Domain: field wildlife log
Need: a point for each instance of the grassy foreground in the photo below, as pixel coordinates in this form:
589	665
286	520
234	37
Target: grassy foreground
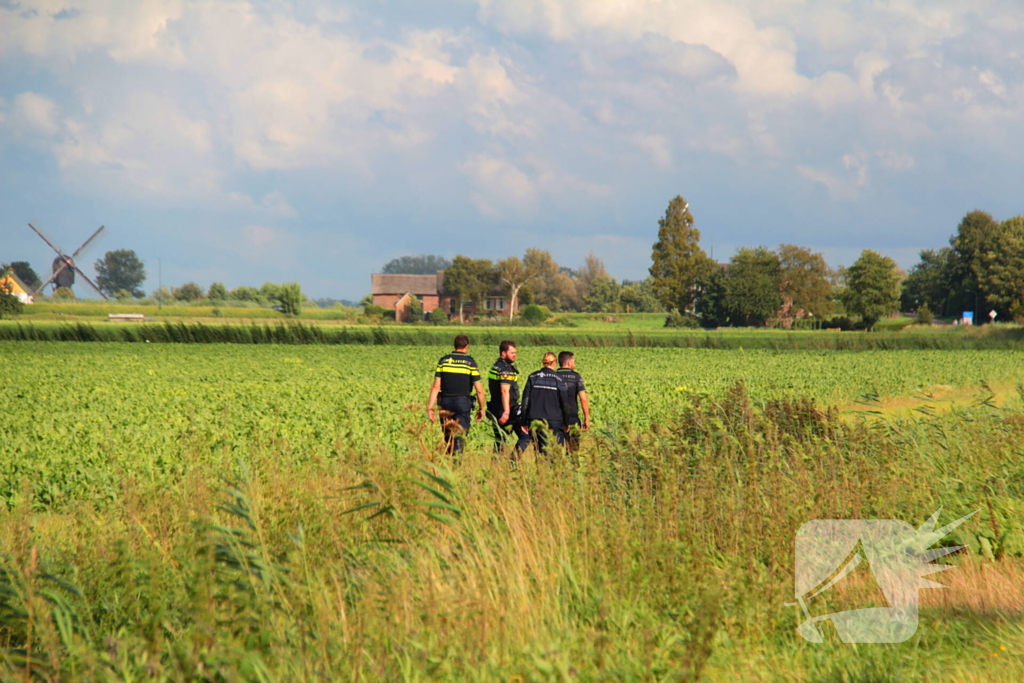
659	556
204	513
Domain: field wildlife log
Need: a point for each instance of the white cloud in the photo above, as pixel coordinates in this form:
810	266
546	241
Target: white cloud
993	83
506	190
896	161
502	188
35	114
659	147
143	144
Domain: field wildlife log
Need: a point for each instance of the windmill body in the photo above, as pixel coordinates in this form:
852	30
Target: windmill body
64	271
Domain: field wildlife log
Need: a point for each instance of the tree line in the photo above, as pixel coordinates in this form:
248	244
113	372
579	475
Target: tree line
981	270
757	287
536	278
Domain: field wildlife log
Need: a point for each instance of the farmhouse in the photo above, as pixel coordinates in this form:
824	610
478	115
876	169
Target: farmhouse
15	286
396	292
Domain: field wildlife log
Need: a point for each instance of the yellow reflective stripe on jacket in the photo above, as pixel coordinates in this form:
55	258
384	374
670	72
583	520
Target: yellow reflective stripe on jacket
457	369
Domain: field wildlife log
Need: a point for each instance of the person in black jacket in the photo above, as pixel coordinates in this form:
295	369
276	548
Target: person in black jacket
456	378
545	399
577	390
503	382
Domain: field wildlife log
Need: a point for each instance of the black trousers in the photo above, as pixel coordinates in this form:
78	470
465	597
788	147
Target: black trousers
503	434
572	437
455	421
543	435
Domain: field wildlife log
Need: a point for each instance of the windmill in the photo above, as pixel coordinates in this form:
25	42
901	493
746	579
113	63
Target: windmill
64	267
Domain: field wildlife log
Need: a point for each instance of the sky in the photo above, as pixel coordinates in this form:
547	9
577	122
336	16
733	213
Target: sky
313	141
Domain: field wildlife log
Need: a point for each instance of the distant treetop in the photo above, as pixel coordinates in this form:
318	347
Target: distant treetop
420	264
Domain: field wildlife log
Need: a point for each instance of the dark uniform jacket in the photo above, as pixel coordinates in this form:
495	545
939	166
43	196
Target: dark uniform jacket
458	373
574	382
546	397
502	372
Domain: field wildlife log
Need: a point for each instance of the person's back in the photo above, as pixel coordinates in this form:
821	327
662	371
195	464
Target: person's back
547	396
545	399
577	398
455	380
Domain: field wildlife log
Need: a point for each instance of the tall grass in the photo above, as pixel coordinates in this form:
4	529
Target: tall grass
294	332
662	555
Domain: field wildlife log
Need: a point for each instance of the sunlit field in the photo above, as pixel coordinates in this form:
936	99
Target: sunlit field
228	512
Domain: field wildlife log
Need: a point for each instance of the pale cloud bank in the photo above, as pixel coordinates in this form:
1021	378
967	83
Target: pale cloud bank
543	115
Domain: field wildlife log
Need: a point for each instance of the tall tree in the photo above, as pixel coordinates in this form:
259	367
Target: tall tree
120	269
470	280
419	264
678	261
977	234
290	296
217	292
1001	270
752	286
932	281
24	272
804	281
872	287
190	291
602	295
550	286
270	292
245	293
638	297
592	270
513	274
710	307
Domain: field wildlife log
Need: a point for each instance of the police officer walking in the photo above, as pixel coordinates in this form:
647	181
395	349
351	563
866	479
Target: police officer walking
573	380
455	379
545	398
503	384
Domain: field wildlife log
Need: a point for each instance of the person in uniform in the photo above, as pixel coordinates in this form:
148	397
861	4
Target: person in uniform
503	384
545	399
456	378
577	390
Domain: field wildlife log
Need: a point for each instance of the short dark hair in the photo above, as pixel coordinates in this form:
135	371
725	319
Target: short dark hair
461	341
564	357
504	345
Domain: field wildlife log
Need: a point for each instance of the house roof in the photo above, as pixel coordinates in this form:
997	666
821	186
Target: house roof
17	286
382	283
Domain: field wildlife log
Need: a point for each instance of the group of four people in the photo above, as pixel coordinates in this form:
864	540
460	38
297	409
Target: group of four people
548	404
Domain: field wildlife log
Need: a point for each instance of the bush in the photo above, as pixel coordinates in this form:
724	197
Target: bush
924	315
373	309
415	310
10	304
438	317
290	296
189	291
535	315
677	319
64	293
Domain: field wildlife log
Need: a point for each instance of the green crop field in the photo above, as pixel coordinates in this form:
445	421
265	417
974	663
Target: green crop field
268	512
